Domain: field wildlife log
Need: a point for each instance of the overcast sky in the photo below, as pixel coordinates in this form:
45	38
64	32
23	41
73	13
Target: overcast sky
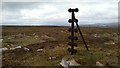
56	12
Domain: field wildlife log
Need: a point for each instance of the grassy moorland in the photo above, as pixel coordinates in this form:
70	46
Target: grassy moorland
52	42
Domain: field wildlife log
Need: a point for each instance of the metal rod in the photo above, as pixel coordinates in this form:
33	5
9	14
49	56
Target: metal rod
82	36
72	34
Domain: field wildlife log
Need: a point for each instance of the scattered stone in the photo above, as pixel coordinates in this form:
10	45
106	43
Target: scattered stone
36	36
3	49
72	62
52	57
42	41
39	50
10	38
18	47
107	43
15	48
96	35
66	62
62	31
108	54
45	36
81	58
34	33
8	45
11	45
19	34
12	48
26	49
99	64
1	39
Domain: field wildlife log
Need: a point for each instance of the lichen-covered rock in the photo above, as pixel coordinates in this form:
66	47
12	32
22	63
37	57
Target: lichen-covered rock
66	62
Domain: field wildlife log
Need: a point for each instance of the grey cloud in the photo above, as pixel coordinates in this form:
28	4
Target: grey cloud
60	1
104	11
13	6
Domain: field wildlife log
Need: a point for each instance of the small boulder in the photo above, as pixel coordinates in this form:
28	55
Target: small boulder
12	48
26	49
99	64
39	50
52	57
1	39
72	62
18	47
66	62
3	49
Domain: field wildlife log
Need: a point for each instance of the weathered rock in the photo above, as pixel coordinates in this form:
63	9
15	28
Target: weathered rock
39	50
1	39
36	36
18	47
72	62
15	48
62	31
66	62
52	57
9	38
3	49
45	36
12	48
11	45
26	49
99	64
96	35
110	42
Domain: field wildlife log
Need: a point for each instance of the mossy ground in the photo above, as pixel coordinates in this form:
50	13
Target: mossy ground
98	50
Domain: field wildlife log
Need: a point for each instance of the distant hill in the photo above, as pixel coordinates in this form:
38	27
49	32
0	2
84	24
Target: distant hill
104	25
